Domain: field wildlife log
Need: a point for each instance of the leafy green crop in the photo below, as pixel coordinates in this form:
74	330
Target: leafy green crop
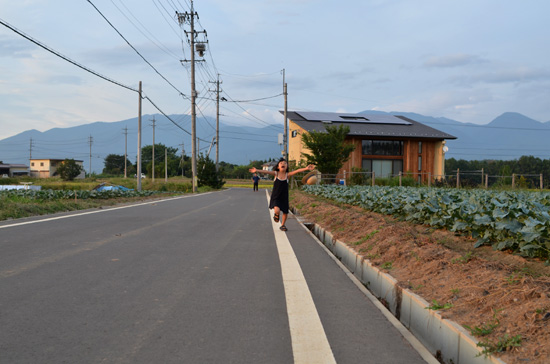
45	195
507	220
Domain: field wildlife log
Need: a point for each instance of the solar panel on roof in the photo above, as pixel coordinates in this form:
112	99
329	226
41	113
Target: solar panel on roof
352	118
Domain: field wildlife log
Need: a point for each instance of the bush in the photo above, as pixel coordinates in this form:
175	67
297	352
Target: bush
68	169
207	174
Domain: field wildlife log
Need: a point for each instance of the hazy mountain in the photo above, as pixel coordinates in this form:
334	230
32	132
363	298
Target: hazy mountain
238	145
509	136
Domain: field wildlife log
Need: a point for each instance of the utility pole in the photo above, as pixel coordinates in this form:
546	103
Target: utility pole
153	149
30	158
90	140
217	122
285	138
30	153
139	142
182	159
125	151
201	47
165	164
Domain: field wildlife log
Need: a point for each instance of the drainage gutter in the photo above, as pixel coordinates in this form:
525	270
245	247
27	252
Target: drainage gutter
446	340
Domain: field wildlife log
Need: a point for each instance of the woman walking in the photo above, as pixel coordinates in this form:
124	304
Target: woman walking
279	195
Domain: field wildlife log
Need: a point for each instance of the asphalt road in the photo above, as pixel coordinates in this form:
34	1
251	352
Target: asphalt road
194	279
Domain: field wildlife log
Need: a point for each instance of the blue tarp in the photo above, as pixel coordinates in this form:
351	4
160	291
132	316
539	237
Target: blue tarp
112	188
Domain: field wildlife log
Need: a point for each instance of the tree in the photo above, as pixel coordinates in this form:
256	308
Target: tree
147	159
206	173
69	170
329	151
114	164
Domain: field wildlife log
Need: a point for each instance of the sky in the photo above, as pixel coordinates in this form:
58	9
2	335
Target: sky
466	60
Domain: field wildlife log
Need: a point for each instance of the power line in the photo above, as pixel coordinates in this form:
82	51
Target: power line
263	98
169	118
41	45
131	46
86	69
158	43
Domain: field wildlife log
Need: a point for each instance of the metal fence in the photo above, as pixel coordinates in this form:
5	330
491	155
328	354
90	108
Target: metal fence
459	179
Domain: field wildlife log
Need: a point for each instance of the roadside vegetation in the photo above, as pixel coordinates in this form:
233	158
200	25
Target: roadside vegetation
57	195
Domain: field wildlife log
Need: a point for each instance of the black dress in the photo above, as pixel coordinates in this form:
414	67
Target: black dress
279	196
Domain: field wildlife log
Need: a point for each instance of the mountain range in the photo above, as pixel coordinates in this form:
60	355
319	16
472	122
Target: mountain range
509	136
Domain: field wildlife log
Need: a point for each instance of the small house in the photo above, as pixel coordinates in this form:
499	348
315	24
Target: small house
13	170
46	168
384	144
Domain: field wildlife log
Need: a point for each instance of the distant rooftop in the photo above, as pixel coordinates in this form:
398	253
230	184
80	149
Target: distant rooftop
372	125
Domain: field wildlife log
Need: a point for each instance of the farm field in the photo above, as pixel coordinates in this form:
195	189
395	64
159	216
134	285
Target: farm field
60	196
503	298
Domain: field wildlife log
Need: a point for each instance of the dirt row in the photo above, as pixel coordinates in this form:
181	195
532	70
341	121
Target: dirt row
503	298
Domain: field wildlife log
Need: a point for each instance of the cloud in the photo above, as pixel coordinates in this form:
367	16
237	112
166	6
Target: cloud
450	61
15	48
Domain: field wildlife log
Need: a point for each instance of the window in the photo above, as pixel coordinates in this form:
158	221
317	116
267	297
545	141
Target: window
419	147
41	164
382	147
32	164
383	167
419	163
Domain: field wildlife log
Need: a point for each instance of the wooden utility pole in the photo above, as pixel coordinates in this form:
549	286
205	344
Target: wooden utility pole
139	142
125	152
182	159
200	49
90	140
217	122
182	18
153	160
30	153
285	139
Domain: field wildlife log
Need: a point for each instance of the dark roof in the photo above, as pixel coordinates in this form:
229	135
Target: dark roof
13	166
55	159
371	125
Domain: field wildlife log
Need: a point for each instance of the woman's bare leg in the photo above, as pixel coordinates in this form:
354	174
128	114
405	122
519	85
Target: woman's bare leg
277	211
283	220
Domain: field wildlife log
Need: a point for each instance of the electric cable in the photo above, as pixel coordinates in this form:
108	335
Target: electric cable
158	43
41	45
131	46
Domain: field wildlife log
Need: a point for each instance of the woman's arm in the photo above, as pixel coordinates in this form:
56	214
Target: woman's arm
254	170
311	167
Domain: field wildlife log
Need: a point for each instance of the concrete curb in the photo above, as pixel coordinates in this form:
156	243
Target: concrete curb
446	340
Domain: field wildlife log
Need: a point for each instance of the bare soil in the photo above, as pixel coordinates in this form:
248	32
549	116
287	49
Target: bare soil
497	292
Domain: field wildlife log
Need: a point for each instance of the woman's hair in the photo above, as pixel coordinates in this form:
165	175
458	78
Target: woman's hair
277	166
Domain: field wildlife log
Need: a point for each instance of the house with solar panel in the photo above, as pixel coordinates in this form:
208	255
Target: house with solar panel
385	144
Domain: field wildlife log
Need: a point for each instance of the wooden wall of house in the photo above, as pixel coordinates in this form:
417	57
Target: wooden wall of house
410	157
431	153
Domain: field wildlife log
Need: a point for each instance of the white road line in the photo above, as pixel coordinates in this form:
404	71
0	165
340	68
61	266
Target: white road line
97	211
415	343
309	341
